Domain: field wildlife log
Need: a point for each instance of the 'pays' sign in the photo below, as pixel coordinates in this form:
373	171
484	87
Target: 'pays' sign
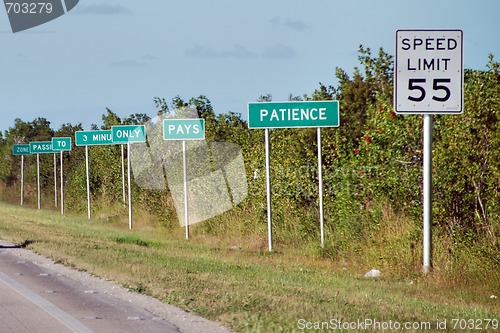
183	129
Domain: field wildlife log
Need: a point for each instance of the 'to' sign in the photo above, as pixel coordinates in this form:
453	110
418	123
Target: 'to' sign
61	144
429	72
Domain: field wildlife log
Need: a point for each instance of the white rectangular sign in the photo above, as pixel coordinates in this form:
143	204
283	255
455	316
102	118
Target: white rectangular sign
429	72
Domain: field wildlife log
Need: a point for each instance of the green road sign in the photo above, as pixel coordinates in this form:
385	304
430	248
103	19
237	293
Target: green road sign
42	147
61	144
293	114
128	133
184	129
21	149
93	138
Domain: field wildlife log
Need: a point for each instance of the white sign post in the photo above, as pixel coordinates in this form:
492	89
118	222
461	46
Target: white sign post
91	138
40	147
293	114
89	210
117	135
429	80
123	175
127	134
38	181
55	180
320	190
22	180
182	130
62	182
21	149
61	145
268	191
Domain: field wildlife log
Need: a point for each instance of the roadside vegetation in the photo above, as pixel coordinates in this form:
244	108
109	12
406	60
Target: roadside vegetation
373	213
236	282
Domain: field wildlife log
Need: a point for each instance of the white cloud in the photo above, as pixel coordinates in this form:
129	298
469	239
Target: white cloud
289	23
237	52
279	51
102	9
128	63
149	57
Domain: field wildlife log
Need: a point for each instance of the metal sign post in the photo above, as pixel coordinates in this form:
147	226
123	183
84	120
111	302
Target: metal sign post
127	134
61	144
182	130
21	149
38	180
427	192
129	157
123	175
40	147
88	181
293	114
320	191
91	138
268	191
62	184
55	180
186	197
22	180
429	80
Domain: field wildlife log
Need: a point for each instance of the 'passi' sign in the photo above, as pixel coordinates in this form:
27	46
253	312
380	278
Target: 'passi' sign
41	147
429	71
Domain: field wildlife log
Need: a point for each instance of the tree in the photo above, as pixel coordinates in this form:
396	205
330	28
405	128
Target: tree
204	107
75	157
162	106
110	119
137	119
467	159
265	98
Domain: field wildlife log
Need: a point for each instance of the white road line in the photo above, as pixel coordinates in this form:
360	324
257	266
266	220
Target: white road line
59	314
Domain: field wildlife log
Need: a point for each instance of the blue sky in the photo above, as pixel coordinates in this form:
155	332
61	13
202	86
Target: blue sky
120	54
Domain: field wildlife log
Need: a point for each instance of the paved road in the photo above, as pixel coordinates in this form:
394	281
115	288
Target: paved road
39	296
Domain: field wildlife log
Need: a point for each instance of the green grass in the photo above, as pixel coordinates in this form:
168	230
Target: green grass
250	290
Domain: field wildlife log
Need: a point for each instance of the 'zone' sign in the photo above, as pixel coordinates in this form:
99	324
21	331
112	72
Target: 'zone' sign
428	72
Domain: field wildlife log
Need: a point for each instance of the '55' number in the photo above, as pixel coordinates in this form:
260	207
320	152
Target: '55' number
437	84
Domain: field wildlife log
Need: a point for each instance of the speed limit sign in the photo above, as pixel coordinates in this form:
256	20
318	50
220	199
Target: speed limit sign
429	72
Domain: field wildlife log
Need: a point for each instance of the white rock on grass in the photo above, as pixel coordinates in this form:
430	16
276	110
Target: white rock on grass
374	273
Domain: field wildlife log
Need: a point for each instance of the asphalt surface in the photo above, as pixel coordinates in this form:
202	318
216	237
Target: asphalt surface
37	295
